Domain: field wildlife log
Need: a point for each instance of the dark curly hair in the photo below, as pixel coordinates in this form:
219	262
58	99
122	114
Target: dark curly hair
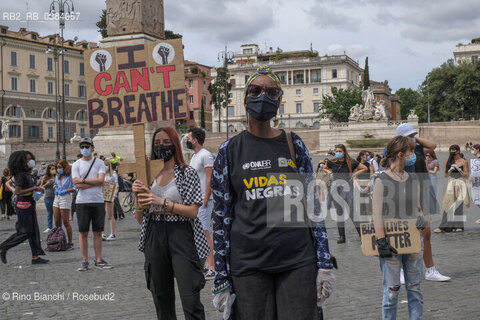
17	162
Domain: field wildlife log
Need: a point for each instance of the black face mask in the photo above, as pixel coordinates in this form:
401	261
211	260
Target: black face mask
262	108
164	152
189	145
453	154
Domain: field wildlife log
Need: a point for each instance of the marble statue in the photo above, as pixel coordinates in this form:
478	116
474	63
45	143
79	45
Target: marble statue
356	113
5	129
380	113
76	138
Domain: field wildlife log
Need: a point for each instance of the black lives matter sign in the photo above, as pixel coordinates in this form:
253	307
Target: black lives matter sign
135	84
402	234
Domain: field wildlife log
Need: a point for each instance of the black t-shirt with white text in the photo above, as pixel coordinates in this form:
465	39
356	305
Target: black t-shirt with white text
259	168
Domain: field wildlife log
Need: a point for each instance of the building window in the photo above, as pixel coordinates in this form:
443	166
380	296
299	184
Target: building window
334	73
474	59
33	85
82	115
299	107
205	84
14	111
191	116
281	110
298	78
298	92
14	131
32	61
316	75
67	133
231	111
4	30
230	95
49	64
190	99
246	78
190	84
82	132
248	51
67	90
66	66
299	124
49	87
81	91
51	114
14	83
315	90
82	68
13	59
33	131
316	107
50	132
283	78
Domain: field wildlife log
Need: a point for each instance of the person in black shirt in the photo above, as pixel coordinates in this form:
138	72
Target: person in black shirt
20	165
269	272
344	170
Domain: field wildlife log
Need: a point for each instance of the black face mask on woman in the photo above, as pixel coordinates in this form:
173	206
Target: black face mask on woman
164	152
261	108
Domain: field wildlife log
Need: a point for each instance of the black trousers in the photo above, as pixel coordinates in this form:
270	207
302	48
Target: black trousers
27	229
170	253
344	213
283	296
6	203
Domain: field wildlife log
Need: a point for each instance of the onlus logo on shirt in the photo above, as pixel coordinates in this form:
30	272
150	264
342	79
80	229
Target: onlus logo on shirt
257	165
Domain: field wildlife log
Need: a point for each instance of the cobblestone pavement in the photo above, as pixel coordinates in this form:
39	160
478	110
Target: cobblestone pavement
358	294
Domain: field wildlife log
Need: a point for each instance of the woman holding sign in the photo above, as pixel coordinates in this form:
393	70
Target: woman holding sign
172	239
396	196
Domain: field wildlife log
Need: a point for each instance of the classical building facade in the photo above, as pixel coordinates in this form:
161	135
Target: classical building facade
467	52
306	77
30	83
197	80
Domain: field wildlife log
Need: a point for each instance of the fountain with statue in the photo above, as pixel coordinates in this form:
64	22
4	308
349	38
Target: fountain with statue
368	125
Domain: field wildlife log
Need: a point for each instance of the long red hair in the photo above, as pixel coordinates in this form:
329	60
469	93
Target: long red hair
172	134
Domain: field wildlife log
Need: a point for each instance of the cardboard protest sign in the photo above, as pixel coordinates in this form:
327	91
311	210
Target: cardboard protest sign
135	84
475	174
402	234
109	189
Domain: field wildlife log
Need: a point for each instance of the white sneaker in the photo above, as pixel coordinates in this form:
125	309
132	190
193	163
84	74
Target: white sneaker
434	275
104	237
47	230
111	237
402	277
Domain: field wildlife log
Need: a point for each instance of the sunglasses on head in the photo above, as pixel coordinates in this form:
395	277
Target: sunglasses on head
273	93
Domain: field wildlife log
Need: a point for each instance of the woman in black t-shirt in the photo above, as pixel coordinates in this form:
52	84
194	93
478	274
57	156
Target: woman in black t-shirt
344	170
20	165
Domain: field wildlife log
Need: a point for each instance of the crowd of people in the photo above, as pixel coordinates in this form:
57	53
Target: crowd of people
223	217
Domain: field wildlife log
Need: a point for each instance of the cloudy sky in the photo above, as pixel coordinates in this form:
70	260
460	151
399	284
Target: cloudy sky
404	39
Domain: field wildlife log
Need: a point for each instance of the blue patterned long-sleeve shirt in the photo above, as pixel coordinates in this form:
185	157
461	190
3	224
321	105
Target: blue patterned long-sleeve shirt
222	189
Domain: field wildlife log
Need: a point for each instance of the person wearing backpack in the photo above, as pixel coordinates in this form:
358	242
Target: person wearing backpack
20	164
63	199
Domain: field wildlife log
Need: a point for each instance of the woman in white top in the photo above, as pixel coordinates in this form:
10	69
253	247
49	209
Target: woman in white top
110	176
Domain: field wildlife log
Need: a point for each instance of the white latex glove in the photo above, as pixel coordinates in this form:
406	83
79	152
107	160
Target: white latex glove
325	284
223	302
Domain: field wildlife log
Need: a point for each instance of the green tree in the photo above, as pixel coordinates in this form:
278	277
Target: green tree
339	103
366	75
172	35
102	24
410	99
202	114
219	91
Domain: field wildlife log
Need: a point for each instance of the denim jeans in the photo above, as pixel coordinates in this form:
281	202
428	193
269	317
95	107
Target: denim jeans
49	205
412	268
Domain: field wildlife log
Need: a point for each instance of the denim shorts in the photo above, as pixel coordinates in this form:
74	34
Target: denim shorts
205	215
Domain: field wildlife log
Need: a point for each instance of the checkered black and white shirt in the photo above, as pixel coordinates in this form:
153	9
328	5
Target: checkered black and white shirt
188	184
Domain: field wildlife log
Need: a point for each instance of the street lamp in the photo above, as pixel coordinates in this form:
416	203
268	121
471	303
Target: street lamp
60	6
226	56
56	52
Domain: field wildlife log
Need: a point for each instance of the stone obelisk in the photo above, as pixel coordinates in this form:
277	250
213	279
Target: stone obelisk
130	22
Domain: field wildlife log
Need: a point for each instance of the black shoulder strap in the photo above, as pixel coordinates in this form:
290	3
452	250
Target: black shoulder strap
90	168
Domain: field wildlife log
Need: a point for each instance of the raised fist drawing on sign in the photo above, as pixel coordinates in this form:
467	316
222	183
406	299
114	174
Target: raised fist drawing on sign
164	52
101	59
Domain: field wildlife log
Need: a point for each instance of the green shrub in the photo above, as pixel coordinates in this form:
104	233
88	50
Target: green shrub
367	143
